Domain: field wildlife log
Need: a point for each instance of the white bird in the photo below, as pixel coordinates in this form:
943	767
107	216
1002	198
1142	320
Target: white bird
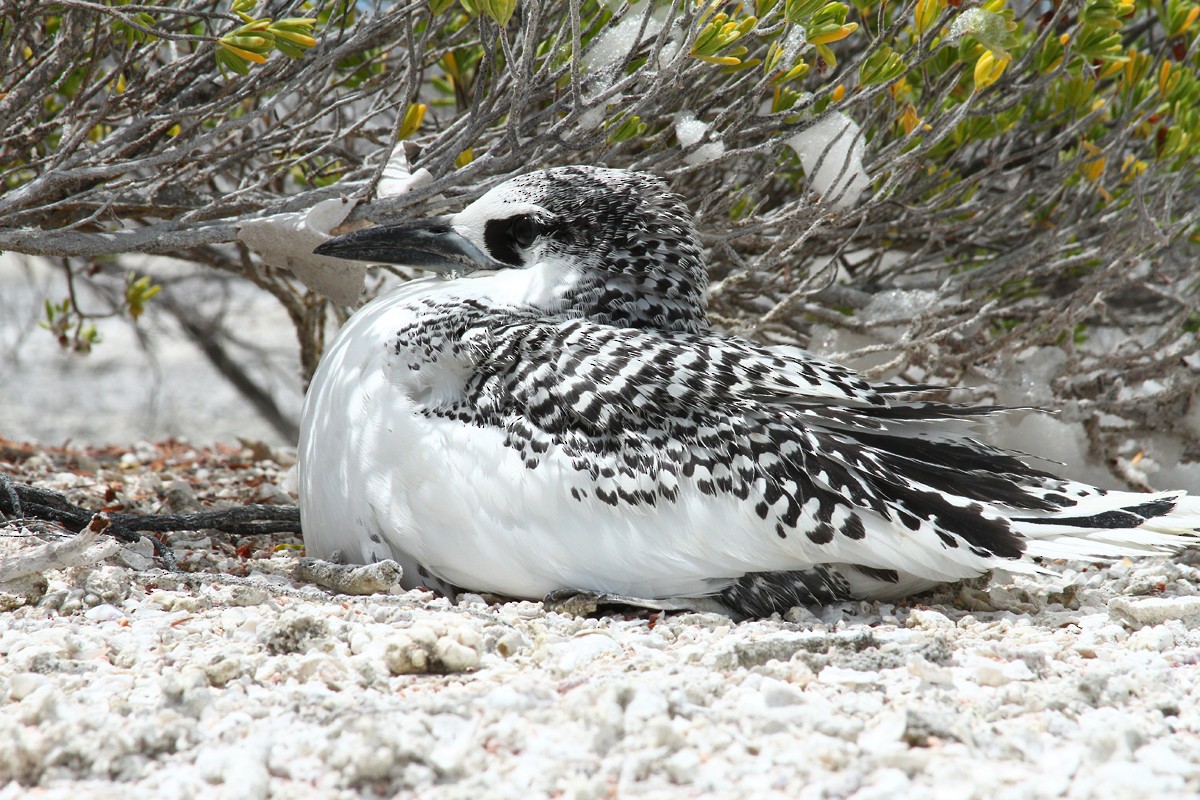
557	416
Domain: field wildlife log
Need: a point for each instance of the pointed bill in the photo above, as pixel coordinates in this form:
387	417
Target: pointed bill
430	244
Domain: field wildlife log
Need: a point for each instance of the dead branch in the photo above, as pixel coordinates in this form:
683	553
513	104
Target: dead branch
22	502
1033	227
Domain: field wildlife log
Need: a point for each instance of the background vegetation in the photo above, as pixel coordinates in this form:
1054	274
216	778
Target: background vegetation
1032	167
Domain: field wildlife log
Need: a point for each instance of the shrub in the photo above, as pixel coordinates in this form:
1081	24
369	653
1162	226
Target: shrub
1038	169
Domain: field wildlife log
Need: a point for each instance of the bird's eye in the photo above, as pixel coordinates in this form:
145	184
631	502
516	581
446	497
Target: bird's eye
506	238
523	230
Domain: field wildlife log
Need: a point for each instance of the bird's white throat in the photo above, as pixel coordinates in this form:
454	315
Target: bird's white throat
545	285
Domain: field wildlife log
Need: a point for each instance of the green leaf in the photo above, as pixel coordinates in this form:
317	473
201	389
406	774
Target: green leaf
884	65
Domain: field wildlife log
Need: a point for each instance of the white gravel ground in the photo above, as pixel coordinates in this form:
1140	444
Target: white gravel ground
236	681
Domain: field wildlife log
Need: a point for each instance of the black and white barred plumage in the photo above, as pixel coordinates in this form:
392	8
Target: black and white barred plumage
561	417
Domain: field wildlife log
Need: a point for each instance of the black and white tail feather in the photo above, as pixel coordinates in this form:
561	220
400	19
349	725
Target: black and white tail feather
561	417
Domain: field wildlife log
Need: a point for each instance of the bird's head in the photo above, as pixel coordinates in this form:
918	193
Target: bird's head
616	246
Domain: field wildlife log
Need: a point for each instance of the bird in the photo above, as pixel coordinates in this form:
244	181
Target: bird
551	414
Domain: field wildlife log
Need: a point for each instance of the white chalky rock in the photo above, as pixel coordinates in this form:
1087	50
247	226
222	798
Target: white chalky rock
929	672
1153	637
1154	610
110	584
424	649
105	612
990	672
579	651
927	619
777	694
356	579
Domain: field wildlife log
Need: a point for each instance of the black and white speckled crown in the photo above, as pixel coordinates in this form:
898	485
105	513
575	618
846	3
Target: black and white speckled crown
643	265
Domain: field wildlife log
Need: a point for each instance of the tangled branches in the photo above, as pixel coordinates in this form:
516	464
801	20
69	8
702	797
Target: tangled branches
1032	170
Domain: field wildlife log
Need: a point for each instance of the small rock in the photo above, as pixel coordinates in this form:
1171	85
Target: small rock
188	689
423	649
248	595
411	653
1119	778
886	732
271	494
510	643
240	770
322	667
350	579
923	728
1154	610
26	590
457	656
885	783
1152	637
998	598
645	705
109	584
777	694
1159	757
223	669
105	612
173	601
801	615
24	684
65	603
682	766
989	672
931	673
577	652
927	619
755	653
137	555
848	677
293	633
41	705
180	497
1067	597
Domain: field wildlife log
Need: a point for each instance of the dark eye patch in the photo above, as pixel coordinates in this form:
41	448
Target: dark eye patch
503	237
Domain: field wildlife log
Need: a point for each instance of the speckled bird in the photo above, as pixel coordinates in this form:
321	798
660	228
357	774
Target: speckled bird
554	414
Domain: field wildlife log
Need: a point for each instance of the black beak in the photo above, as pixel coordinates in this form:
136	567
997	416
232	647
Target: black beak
430	244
